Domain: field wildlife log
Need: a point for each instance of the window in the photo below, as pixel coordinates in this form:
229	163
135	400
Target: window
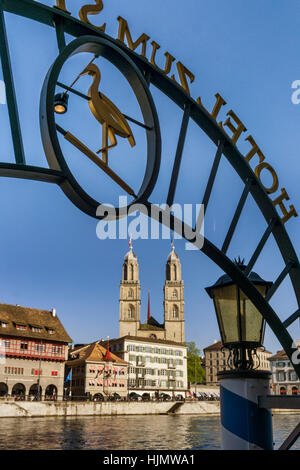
293	376
131	370
36	329
6	344
54	373
130	293
13	370
294	391
51	332
175	272
281	376
282	391
21	327
174	294
130	311
131	272
39	348
175	312
56	349
24	345
3	324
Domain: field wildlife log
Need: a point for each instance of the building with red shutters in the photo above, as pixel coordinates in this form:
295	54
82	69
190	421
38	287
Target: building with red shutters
97	373
33	351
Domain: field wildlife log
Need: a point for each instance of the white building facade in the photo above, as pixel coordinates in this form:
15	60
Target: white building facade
284	377
157	367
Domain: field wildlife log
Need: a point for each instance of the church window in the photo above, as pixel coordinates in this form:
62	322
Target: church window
175	272
175	312
131	272
174	294
130	293
130	311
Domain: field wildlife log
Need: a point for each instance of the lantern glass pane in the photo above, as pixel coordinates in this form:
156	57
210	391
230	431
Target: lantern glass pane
226	308
251	319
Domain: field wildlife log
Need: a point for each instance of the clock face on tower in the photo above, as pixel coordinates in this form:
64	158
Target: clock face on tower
99	125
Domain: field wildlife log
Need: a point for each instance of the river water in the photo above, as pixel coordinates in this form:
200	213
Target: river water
125	432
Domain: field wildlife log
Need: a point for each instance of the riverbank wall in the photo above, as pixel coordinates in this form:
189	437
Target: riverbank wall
38	409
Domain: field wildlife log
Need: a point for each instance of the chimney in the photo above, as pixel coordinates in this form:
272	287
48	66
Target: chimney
54	312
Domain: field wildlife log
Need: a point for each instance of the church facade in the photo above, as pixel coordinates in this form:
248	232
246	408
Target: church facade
172	329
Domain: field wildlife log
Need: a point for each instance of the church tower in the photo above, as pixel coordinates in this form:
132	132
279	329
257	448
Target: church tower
174	300
130	296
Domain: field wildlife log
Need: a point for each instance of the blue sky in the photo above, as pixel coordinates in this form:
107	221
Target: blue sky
248	52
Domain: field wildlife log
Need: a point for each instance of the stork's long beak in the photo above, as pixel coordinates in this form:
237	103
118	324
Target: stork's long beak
85	71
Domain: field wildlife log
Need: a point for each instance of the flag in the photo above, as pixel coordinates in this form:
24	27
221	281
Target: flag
69	376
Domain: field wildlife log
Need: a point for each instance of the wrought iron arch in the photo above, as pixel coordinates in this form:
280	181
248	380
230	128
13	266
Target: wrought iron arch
64	23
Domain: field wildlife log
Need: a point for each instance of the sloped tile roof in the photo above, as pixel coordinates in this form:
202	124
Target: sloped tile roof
279	355
14	315
93	352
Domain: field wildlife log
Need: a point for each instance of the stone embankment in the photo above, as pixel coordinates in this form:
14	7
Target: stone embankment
14	409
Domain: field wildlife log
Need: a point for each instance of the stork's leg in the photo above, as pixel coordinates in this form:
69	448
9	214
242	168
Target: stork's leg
107	133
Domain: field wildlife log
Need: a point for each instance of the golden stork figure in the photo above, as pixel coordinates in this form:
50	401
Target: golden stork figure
112	120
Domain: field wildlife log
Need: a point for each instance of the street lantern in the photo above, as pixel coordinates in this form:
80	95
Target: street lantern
61	103
242	326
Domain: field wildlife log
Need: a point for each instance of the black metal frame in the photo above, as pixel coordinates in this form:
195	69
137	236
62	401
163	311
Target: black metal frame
64	23
53	152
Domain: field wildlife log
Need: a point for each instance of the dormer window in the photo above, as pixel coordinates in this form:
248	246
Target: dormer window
36	329
51	332
21	327
3	324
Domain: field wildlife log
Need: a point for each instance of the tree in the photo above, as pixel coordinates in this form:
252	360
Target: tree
196	373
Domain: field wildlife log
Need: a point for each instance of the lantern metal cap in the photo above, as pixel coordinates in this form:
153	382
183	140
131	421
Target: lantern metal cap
226	280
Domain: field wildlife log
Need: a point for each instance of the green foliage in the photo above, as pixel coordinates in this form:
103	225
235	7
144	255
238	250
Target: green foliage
196	373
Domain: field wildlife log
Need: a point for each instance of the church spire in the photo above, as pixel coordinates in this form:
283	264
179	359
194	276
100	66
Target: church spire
148	315
130	295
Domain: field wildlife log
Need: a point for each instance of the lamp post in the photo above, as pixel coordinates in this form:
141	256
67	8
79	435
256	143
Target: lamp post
39	373
245	426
